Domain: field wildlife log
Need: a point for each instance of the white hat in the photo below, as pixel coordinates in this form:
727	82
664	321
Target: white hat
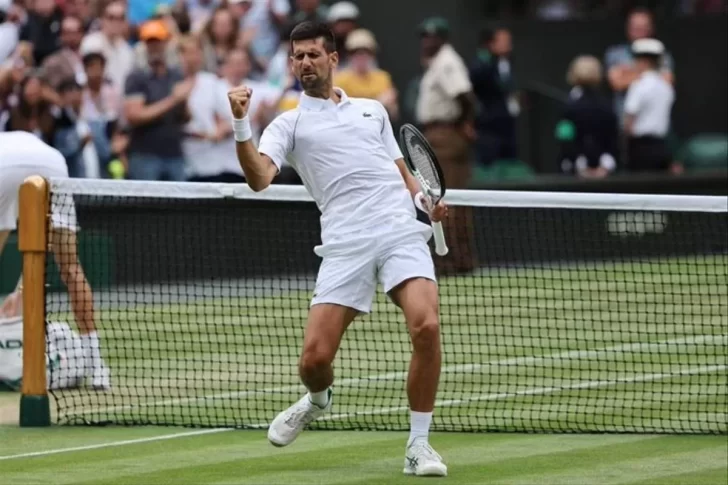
361	39
343	11
5	5
648	47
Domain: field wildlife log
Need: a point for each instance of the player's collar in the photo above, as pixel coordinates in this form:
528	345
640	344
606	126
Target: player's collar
309	103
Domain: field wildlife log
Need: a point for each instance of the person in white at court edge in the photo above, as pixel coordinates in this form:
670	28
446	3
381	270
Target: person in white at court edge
647	109
23	155
346	154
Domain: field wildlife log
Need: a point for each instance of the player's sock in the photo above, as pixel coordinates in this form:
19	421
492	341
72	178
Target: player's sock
320	399
93	347
419	425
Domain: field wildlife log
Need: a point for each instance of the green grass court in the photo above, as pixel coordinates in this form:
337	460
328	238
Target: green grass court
619	347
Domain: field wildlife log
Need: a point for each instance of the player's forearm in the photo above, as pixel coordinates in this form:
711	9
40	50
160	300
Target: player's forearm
413	186
259	171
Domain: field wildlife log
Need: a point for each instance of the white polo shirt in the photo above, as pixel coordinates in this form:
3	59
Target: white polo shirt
345	154
650	100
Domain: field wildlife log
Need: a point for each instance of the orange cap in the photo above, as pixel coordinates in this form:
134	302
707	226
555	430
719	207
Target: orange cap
154	29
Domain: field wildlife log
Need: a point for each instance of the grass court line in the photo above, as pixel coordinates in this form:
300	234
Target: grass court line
446	403
450	369
115	443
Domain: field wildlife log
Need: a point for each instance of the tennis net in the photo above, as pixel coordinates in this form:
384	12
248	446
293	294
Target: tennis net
560	312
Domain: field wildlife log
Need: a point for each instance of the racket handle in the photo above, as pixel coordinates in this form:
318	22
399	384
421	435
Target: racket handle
440	243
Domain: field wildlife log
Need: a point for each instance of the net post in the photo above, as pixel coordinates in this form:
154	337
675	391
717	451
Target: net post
33	243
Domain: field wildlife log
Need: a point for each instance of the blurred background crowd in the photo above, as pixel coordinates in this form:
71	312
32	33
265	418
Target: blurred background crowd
137	88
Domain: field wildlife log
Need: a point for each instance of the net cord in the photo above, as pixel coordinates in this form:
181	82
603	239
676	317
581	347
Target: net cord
472	198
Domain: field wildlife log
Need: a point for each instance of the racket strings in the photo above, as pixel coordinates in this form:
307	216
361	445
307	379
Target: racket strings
421	161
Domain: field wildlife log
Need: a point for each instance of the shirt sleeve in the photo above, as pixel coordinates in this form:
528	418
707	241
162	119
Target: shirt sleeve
633	99
134	86
277	140
281	7
454	78
388	138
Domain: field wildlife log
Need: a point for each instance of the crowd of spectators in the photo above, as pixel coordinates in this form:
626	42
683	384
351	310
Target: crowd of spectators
137	89
123	91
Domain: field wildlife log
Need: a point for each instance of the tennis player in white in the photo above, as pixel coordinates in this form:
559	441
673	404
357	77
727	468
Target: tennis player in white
23	155
346	154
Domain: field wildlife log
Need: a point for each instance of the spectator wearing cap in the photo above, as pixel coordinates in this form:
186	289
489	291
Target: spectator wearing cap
166	27
155	109
362	78
647	111
310	10
66	63
42	29
343	19
498	108
73	136
445	110
619	60
588	131
263	22
111	42
9	29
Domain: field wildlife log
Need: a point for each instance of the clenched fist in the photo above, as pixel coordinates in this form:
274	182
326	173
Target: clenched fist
240	101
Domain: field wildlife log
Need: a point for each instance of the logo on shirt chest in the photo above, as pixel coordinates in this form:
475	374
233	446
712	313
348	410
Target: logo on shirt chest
366	115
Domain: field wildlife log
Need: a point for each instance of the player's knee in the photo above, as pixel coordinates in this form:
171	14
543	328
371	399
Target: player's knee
314	359
425	333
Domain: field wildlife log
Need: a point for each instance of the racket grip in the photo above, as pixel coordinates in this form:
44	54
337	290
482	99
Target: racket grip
440	243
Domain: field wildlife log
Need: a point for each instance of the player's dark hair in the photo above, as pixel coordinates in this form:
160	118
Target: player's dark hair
309	30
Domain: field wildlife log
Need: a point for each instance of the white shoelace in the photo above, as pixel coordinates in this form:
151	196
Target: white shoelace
422	448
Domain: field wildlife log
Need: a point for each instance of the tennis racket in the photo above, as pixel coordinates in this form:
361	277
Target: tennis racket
422	163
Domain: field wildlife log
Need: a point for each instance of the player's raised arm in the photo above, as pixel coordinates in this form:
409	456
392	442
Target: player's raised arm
259	169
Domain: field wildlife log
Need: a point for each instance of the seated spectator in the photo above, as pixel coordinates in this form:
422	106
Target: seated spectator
41	29
362	79
619	60
279	71
9	29
588	131
311	10
261	24
73	137
66	62
647	111
209	123
200	12
112	43
102	108
171	52
343	18
32	111
80	9
155	109
493	85
219	37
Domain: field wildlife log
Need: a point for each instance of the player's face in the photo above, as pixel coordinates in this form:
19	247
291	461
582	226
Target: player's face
312	65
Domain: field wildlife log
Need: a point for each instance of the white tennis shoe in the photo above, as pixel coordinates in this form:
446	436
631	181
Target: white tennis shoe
421	460
291	422
101	379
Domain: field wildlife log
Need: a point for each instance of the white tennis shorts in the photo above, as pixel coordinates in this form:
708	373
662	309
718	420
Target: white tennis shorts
351	279
19	162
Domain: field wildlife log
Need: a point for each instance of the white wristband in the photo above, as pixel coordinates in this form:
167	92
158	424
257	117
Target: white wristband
418	202
242	130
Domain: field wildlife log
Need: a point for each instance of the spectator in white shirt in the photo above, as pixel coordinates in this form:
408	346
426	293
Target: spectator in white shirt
9	29
262	23
647	111
111	43
209	124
